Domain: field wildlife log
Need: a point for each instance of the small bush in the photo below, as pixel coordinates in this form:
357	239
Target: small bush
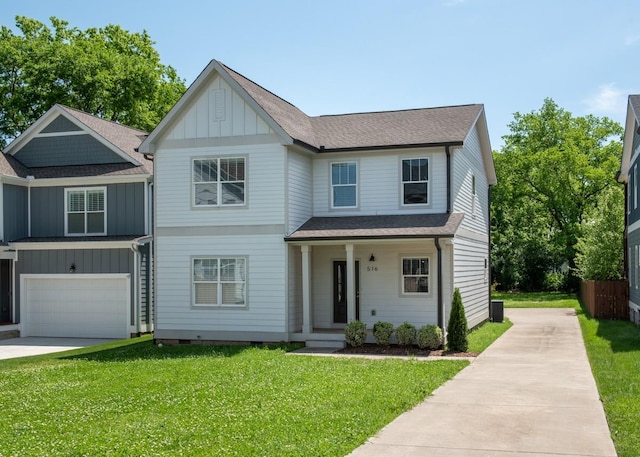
406	334
355	333
382	332
429	337
457	327
555	282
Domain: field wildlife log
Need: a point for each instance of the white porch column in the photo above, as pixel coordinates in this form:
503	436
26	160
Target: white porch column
306	289
351	284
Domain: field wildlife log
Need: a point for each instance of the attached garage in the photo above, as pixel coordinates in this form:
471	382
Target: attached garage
76	305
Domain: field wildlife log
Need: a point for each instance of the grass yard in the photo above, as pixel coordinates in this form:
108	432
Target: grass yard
138	399
481	337
613	348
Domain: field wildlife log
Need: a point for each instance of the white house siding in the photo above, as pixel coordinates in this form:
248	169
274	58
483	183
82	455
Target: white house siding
264	191
379	182
294	288
299	185
263	319
380	284
218	112
471	277
467	162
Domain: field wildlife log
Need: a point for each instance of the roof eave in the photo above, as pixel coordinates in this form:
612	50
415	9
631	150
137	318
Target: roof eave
367	237
627	142
392	146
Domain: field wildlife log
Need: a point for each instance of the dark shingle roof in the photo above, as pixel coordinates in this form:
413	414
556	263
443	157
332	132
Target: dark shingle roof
371	227
428	126
126	139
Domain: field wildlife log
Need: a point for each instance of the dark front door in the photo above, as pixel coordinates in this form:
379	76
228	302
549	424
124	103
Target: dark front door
340	291
5	291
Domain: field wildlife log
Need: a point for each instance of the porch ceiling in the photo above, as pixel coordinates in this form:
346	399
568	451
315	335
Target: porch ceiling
378	227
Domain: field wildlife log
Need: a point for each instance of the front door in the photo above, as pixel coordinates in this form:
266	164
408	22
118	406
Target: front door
5	291
340	291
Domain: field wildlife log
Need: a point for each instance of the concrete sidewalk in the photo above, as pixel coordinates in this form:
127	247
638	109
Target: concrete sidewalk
24	347
531	394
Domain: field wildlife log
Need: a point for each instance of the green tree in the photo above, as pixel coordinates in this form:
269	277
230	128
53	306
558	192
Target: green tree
551	170
600	249
108	71
457	328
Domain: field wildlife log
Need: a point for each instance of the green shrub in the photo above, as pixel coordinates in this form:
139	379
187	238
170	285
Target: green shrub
406	334
555	282
382	332
355	333
457	327
429	337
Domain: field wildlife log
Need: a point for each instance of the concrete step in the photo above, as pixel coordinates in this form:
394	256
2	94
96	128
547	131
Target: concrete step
324	344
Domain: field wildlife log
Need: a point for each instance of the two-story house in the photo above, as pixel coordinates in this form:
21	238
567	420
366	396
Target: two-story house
75	225
271	225
629	176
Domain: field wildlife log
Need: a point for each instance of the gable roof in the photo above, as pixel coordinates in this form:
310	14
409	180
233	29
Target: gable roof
120	139
632	120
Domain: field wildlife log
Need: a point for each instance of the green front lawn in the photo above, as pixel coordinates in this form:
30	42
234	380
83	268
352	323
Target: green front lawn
138	399
613	348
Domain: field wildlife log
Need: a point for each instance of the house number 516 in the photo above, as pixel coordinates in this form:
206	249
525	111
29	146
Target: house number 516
372	268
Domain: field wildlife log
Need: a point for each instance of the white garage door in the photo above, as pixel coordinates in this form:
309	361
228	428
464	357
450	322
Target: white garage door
82	306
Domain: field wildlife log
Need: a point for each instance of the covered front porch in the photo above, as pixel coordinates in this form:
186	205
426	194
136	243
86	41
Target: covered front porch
391	268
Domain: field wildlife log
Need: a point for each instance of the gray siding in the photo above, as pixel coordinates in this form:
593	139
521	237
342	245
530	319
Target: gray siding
15	204
146	285
61	124
66	150
86	261
634	268
125	210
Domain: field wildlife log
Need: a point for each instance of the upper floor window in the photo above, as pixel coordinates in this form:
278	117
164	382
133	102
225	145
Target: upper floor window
85	210
415	181
635	186
219	181
219	281
343	185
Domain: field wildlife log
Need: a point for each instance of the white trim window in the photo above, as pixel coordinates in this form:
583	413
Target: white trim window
635	186
344	185
219	281
219	181
415	181
85	211
415	275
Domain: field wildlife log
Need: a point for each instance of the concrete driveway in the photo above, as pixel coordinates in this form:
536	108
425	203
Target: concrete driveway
23	347
531	393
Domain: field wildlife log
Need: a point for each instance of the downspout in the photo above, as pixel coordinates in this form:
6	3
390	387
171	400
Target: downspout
440	301
448	152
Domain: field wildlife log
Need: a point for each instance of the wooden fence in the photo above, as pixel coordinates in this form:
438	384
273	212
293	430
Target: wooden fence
606	299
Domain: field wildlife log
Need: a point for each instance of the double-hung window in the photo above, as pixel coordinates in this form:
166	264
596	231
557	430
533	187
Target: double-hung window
219	181
415	275
344	185
415	181
219	281
85	211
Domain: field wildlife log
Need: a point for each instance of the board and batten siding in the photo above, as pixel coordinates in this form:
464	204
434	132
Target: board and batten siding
299	188
125	210
471	277
380	284
266	294
14	212
467	162
86	261
379	182
218	111
264	187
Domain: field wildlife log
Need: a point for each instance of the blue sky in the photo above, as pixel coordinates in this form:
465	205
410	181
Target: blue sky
329	57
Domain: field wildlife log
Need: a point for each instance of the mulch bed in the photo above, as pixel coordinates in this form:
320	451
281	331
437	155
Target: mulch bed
374	349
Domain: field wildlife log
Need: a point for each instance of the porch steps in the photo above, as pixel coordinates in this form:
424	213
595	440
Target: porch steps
332	344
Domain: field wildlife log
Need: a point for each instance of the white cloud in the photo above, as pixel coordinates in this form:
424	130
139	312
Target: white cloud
607	100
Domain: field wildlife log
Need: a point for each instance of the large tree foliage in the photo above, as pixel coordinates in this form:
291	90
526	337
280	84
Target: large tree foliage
600	249
551	170
108	71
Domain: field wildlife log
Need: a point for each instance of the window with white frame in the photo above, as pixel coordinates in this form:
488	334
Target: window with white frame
415	275
219	281
344	185
635	186
85	211
415	181
219	181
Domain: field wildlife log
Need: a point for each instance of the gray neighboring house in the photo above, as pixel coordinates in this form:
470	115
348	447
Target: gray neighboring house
629	176
75	230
